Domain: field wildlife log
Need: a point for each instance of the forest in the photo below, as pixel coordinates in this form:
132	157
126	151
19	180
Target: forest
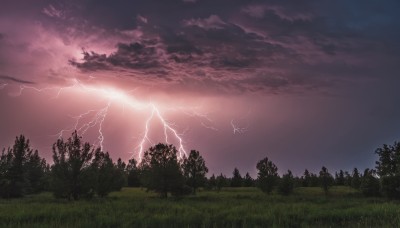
82	173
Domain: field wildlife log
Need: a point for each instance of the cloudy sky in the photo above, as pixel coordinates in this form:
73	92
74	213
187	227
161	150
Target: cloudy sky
306	83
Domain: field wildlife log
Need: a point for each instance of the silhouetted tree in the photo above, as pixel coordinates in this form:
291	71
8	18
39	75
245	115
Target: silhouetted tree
306	179
72	176
267	175
347	179
21	170
160	170
5	179
248	181
356	179
326	179
236	179
133	173
221	182
388	168
369	183
34	169
339	178
194	170
212	183
120	179
104	171
286	184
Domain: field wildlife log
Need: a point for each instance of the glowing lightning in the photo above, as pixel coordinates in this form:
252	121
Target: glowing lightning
96	118
237	129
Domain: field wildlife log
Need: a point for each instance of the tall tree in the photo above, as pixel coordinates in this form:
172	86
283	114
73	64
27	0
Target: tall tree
221	182
35	168
72	177
370	183
267	175
339	178
356	179
21	170
236	179
120	179
133	173
326	179
306	179
212	182
388	168
194	169
103	169
161	170
286	184
248	181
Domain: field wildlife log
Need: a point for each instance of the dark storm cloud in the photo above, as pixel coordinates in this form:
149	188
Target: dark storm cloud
233	41
12	79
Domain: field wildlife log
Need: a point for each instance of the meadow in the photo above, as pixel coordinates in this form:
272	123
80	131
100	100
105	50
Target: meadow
231	207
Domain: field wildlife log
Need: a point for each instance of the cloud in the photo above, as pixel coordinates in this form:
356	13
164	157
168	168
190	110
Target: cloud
51	11
212	22
12	79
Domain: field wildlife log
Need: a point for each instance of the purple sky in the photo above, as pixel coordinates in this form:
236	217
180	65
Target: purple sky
306	83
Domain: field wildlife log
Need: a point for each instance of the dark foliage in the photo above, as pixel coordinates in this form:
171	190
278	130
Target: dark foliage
194	170
72	176
133	173
237	179
248	181
370	183
22	171
267	175
356	179
161	170
326	179
286	184
388	168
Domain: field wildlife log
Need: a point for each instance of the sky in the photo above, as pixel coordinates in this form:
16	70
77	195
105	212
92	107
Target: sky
305	83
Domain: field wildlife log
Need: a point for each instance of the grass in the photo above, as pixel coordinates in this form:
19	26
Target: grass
232	207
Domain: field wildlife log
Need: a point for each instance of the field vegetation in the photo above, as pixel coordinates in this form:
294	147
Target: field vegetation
230	207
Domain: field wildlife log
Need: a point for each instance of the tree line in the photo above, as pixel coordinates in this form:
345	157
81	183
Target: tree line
80	170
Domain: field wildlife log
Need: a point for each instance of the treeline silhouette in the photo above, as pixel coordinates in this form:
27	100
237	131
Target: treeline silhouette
81	171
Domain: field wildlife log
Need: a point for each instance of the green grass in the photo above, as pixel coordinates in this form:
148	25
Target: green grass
232	207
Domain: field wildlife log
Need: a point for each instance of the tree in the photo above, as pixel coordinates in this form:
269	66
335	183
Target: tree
326	179
72	176
306	179
369	183
160	170
248	181
339	178
221	182
286	184
267	175
5	180
133	173
119	175
35	168
212	183
388	168
236	179
356	179
103	169
194	169
21	170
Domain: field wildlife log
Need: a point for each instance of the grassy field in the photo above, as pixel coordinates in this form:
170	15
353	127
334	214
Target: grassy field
232	207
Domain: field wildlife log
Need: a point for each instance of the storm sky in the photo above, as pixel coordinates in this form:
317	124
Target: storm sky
306	83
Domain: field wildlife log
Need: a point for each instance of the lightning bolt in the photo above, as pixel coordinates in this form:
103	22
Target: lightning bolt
95	118
237	129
